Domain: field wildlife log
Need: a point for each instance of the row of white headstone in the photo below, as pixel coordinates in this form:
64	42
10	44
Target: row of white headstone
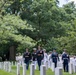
72	67
5	66
58	71
14	63
32	69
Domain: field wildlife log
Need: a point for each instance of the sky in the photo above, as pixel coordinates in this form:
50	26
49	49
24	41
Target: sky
62	2
72	0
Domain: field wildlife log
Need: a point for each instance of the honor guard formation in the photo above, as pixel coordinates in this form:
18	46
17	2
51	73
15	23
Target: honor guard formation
51	60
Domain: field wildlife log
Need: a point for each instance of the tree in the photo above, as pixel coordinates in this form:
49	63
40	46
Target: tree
33	22
46	20
10	36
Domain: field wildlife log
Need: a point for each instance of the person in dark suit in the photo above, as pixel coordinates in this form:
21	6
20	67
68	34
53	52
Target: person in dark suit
66	60
34	57
55	57
27	58
40	56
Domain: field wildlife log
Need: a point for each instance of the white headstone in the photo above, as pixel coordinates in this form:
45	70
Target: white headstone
18	69
0	65
15	63
75	68
9	67
59	64
35	63
4	65
46	65
58	71
70	68
43	70
32	69
53	66
24	69
12	63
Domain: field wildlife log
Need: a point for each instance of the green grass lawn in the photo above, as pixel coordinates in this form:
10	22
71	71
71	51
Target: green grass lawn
37	72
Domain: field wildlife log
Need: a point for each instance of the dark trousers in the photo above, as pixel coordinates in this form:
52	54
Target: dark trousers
55	63
65	66
27	64
39	63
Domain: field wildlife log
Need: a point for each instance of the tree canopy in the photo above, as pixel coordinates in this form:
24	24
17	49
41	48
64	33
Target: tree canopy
27	23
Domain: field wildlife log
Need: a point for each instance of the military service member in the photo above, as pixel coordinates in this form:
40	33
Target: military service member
34	57
40	56
27	58
66	60
55	57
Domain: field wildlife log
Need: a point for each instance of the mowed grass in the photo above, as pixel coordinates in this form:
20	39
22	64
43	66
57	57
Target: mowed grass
37	72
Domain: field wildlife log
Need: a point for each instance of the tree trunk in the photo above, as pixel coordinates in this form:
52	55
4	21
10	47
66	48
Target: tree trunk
12	53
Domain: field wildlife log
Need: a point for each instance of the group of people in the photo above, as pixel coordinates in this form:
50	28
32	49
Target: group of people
37	55
40	56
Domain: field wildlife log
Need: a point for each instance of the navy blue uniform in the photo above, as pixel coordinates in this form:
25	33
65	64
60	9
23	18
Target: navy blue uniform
66	59
40	56
27	58
34	56
55	58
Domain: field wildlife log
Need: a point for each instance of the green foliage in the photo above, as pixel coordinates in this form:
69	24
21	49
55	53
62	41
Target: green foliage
26	23
10	26
51	43
46	19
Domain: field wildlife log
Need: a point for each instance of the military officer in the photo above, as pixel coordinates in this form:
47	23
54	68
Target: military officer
34	57
27	58
66	60
55	57
40	56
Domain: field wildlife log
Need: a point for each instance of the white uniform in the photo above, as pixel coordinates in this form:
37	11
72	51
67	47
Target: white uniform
45	60
49	61
19	59
73	61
